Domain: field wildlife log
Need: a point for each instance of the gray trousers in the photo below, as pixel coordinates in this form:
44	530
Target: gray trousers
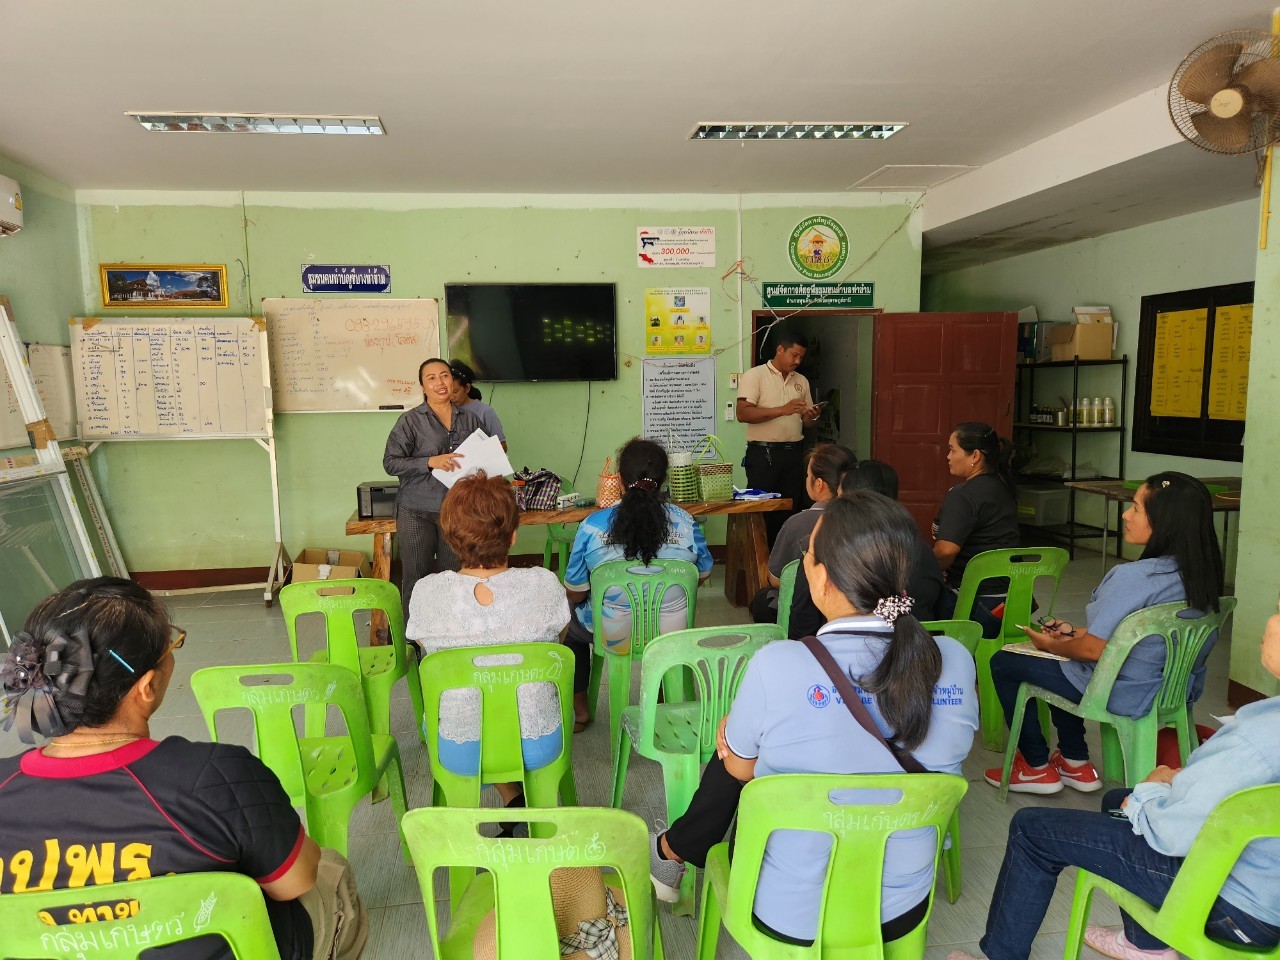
421	544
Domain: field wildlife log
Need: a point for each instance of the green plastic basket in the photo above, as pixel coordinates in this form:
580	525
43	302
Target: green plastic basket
715	477
682	477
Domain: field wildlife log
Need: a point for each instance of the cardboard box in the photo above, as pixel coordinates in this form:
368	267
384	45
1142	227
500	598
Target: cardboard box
317	563
1088	341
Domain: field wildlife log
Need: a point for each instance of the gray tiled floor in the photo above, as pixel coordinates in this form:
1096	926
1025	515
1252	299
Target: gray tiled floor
235	627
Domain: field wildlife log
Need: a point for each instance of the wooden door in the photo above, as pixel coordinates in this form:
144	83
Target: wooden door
931	371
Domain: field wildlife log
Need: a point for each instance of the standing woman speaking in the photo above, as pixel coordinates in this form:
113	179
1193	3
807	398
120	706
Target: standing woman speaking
420	446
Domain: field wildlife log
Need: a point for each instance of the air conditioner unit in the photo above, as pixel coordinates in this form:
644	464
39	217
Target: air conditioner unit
10	207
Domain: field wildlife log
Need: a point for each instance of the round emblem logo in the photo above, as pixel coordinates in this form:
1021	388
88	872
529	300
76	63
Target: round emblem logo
819	696
818	247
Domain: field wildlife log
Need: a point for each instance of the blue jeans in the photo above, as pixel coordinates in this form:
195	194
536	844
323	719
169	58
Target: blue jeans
1045	840
1008	672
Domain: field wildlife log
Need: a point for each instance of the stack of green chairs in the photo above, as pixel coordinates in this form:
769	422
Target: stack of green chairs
849	923
501	759
644	587
168	910
1023	566
326	775
1128	744
517	878
1236	822
682	736
786	594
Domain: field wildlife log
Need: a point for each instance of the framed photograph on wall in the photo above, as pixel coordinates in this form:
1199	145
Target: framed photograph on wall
167	285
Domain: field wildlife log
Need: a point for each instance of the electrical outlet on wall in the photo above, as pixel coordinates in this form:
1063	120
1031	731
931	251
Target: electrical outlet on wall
733	381
728	411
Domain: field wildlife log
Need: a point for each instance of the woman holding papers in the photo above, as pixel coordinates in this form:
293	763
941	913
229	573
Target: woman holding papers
1171	518
421	449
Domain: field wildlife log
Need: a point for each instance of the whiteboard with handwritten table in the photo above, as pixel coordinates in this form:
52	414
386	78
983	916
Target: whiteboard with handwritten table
170	378
350	354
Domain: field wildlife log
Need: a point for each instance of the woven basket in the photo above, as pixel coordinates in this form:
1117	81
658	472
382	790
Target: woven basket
682	475
715	477
608	486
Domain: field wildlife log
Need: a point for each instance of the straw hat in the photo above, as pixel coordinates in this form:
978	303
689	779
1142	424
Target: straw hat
577	897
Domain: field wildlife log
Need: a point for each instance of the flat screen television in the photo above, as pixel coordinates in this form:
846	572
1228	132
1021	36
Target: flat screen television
533	331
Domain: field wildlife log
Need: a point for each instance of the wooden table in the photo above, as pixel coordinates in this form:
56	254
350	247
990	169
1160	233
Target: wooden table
1115	490
746	549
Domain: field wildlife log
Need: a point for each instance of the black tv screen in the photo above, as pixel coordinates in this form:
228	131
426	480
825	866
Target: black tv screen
533	331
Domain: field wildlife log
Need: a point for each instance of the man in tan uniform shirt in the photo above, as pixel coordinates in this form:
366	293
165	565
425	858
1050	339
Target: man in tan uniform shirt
775	404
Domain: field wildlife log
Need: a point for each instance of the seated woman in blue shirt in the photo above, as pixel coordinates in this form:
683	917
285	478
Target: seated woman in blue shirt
641	527
858	565
1171	517
1142	847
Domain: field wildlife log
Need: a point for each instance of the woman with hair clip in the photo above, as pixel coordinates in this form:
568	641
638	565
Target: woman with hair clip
421	446
783	721
467	397
1171	518
826	464
644	527
87	671
979	513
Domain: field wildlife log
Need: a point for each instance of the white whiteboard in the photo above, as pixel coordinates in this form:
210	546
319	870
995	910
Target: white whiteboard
349	355
51	370
170	378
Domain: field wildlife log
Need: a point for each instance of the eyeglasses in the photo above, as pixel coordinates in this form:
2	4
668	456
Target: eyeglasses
1053	625
179	640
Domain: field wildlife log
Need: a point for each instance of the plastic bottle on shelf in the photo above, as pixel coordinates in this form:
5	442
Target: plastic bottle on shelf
1097	411
1088	413
1108	412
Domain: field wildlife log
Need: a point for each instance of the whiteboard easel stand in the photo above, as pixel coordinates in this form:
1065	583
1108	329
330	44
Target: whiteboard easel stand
49	462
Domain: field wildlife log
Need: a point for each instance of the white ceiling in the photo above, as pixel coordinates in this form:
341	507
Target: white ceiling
564	97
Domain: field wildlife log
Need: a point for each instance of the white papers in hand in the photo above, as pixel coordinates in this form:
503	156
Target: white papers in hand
479	452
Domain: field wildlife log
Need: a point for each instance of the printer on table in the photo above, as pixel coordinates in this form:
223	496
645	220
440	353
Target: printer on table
376	498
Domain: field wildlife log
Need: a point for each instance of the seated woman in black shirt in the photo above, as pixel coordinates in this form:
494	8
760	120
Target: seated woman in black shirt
88	670
924	581
979	513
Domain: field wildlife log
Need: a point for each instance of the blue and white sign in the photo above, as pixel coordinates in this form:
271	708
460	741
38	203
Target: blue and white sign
362	278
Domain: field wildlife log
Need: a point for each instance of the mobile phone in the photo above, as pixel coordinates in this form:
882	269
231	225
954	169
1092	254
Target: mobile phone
1117	813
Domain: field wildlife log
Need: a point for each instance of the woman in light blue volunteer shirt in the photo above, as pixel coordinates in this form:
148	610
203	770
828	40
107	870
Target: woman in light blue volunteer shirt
1172	519
923	695
641	527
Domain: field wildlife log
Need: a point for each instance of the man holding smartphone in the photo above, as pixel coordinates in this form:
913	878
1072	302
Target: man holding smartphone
775	403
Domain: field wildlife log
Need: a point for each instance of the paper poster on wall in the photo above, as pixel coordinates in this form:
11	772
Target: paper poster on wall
679	401
676	246
677	320
1229	371
1177	369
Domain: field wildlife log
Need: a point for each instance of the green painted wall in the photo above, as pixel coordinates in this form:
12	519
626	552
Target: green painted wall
194	505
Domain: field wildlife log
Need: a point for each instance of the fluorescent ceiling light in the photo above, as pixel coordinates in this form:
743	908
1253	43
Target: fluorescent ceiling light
254	123
858	130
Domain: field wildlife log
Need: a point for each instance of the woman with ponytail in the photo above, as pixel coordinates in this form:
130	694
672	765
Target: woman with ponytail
466	396
979	513
923	699
86	673
644	527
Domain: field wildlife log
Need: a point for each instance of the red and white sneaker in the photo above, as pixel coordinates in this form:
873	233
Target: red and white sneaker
1078	775
1024	778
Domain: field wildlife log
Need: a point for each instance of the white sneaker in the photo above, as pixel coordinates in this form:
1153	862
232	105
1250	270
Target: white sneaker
665	874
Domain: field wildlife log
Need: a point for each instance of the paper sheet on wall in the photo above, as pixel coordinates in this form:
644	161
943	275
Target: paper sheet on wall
679	400
1177	370
479	452
1229	371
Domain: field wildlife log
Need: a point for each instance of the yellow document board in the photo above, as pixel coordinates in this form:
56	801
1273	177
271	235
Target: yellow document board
1229	371
1177	374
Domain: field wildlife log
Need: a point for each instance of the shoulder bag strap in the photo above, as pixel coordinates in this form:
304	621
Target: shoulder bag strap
844	686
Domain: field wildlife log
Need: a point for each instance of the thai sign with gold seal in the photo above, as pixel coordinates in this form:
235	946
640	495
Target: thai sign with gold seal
818	247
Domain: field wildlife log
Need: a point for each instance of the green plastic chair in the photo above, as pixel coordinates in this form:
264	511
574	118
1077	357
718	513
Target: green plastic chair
1023	566
157	912
326	775
969	635
1242	818
681	736
849	922
501	759
559	539
644	588
518	875
1128	744
786	593
379	666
